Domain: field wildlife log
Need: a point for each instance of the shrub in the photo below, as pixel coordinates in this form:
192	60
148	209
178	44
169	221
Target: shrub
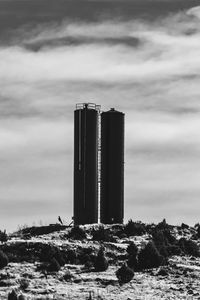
162	272
124	274
84	254
41	230
48	252
71	256
160	241
150	228
198	230
19	251
3	260
53	266
43	267
89	265
101	263
101	235
165	242
12	295
132	249
77	233
189	247
24	284
59	256
149	257
118	231
87	258
83	258
21	297
133	262
134	228
174	250
31	252
184	226
162	225
196	225
121	235
164	251
3	236
170	238
67	276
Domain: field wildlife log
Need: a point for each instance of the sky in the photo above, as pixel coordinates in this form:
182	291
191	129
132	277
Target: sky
139	56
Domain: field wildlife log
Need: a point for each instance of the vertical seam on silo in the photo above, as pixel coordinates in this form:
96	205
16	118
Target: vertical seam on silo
79	141
84	169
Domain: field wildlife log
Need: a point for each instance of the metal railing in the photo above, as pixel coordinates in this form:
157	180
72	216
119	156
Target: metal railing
88	106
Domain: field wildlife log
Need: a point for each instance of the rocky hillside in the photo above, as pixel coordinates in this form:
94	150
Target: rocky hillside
132	261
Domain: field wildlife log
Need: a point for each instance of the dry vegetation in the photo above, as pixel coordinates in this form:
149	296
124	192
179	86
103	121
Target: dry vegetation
132	261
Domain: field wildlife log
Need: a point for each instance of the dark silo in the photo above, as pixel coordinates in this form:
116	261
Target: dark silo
112	167
85	164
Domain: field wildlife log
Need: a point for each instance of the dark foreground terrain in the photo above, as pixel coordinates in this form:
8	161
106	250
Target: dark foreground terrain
132	261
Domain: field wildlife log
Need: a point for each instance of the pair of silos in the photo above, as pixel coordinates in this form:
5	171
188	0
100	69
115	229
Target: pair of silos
98	165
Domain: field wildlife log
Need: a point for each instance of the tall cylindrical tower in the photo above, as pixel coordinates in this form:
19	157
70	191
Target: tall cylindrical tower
112	167
85	164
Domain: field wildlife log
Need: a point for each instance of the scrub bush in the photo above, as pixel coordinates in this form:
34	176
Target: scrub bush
3	260
101	263
124	274
149	257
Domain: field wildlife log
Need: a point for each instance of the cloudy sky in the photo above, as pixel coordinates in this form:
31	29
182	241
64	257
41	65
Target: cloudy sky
141	57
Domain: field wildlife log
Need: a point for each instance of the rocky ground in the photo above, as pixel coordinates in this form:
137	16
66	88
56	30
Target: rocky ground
178	279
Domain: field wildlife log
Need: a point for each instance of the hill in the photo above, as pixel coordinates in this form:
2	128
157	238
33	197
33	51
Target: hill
59	262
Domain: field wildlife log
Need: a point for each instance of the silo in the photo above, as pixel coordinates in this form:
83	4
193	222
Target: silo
112	167
85	164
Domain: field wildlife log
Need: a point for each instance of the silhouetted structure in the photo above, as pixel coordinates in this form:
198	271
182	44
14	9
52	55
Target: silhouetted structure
60	220
112	167
86	164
